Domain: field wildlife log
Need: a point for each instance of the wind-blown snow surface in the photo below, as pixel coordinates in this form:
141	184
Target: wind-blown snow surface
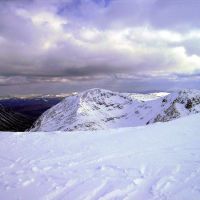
157	162
99	109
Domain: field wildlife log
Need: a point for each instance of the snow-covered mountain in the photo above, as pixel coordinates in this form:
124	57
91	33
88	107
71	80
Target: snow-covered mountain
102	109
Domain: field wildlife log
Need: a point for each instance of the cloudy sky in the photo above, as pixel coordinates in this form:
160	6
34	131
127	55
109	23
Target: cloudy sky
54	46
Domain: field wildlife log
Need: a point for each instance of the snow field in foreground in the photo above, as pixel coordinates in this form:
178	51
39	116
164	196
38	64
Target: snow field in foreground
160	161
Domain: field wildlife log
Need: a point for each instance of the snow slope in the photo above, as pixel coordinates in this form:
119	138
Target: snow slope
156	162
98	109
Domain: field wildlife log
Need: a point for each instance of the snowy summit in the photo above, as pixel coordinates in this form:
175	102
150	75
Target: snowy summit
99	109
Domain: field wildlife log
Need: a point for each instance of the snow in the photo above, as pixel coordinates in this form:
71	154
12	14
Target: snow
148	97
98	109
156	162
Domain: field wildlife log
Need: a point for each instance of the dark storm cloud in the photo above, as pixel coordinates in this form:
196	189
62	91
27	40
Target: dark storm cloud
69	72
88	42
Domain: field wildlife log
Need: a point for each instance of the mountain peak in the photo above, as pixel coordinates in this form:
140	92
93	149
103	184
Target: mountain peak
102	109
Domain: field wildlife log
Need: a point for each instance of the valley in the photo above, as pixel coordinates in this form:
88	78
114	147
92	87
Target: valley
19	113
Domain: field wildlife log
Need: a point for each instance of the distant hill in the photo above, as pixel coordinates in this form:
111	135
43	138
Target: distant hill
19	114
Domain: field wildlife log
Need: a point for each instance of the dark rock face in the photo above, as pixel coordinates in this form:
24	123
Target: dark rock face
169	114
19	114
188	98
188	104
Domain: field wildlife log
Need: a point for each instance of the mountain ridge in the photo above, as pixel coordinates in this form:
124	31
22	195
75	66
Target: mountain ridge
97	109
